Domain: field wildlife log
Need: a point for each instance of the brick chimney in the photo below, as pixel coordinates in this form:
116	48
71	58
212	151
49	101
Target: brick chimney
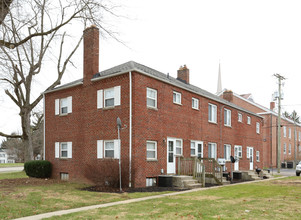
183	74
228	95
272	105
91	53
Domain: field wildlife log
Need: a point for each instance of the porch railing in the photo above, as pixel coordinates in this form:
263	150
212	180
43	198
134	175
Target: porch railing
200	168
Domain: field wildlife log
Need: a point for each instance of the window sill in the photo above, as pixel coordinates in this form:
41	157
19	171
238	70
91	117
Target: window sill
196	109
177	103
229	126
152	108
65	114
152	160
108	108
212	122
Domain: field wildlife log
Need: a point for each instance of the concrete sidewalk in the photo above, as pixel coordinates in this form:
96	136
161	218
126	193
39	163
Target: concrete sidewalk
68	211
11	169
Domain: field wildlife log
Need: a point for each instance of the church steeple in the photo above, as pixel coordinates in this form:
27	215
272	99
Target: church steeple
219	81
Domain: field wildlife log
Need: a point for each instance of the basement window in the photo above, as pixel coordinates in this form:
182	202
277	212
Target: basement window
64	176
151	181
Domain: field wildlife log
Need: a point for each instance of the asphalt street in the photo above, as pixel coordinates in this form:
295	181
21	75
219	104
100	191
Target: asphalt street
10	169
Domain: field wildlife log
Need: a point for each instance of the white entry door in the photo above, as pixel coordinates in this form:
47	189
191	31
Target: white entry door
237	155
251	155
171	158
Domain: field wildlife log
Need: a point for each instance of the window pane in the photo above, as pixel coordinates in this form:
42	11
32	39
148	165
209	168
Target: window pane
178	151
109	145
109	93
64	146
174	97
64	154
109	153
151	102
109	102
151	93
192	152
151	146
151	154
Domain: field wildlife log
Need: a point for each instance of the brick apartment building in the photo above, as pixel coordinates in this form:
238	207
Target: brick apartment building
290	131
162	118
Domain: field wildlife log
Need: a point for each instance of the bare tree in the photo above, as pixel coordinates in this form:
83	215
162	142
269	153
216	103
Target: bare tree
4	8
30	33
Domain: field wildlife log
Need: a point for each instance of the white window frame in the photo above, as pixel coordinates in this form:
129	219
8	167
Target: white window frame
195	148
105	97
248	152
152	150
101	149
289	149
257	156
59	106
212	111
177	98
248	120
227	152
289	133
58	150
213	147
151	98
101	97
195	103
239	150
257	127
227	117
239	117
104	148
284	148
284	131
177	147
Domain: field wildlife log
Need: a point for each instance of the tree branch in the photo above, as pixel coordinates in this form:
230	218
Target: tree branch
10	136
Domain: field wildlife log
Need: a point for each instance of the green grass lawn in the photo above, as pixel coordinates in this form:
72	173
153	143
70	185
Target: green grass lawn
277	199
2	165
20	197
13	175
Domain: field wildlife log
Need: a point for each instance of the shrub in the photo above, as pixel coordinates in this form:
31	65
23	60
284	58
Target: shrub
38	168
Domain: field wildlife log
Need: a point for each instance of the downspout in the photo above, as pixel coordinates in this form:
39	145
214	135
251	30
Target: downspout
130	130
44	127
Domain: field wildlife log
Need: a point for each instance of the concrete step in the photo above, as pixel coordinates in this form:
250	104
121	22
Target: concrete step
187	183
195	185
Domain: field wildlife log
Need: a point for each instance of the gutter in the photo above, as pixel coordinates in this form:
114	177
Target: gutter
63	87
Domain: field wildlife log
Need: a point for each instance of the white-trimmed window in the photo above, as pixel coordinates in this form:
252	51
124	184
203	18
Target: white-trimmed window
248	120
227	152
195	103
63	106
212	150
108	97
108	149
63	150
248	152
227	117
289	149
284	148
238	148
212	113
179	147
289	133
151	150
176	97
196	148
284	131
151	98
239	117
257	127
257	156
152	181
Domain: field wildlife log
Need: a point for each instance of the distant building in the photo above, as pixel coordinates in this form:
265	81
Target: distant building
3	156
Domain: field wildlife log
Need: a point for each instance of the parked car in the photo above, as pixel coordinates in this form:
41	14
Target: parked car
298	169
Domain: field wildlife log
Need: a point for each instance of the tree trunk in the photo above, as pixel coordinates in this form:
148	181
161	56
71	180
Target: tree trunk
27	136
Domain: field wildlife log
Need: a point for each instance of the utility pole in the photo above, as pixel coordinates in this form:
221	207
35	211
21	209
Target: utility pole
294	114
279	120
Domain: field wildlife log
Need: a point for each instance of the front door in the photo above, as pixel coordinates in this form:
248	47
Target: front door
171	158
236	156
251	154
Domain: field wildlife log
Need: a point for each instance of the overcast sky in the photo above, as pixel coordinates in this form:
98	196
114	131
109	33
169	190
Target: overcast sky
252	40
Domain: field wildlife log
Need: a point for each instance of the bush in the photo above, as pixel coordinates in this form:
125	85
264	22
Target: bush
38	168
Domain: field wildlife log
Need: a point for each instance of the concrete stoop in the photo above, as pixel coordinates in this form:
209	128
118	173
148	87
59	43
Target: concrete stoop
252	175
185	182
